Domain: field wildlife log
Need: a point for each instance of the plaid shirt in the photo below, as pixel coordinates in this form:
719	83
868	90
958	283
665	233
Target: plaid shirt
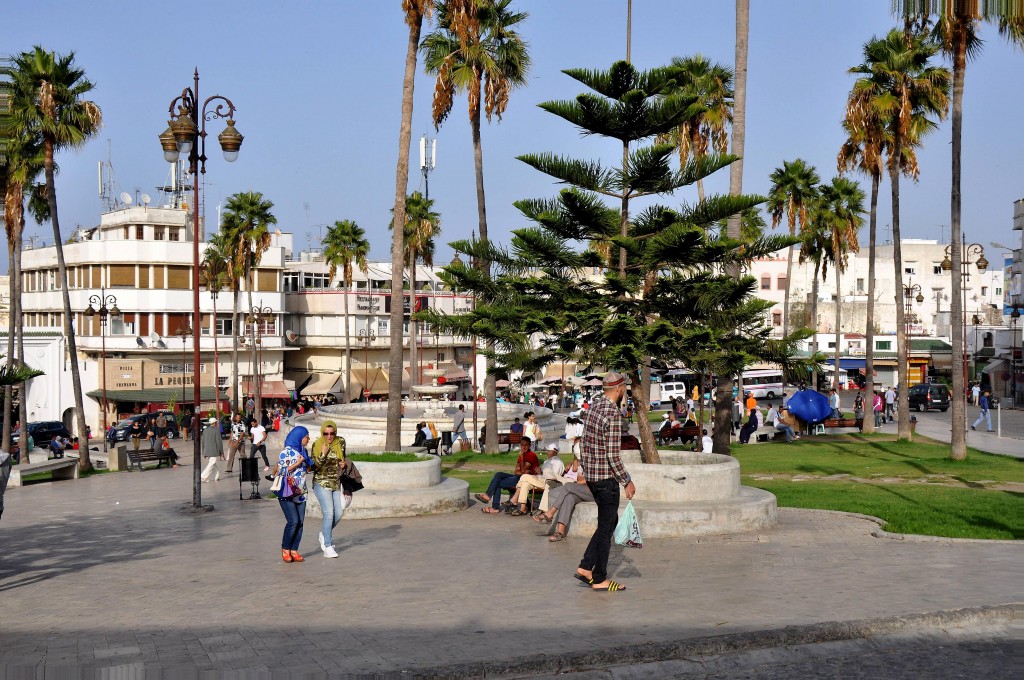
602	440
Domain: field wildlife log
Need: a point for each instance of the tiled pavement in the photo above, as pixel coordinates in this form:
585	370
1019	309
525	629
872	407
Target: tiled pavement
105	576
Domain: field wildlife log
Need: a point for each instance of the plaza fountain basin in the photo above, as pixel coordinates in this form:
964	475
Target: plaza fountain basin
684	476
404	489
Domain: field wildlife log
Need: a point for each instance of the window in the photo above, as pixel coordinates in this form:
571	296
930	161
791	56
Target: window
122	275
781	282
984	291
766	282
224	326
144	276
988	340
179	277
910	268
936	269
173	234
832	344
860	285
999	291
310	280
291	282
126	237
382	327
777	319
138	232
267	280
158	233
883	345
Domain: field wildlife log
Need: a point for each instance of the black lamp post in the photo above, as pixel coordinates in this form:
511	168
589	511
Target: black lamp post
106	306
183	332
966	253
256	318
186	134
909	297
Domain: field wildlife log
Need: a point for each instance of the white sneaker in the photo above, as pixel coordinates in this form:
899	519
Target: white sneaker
323	546
329	551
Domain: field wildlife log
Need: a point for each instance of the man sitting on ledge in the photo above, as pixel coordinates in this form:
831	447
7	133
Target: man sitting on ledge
552	470
526	464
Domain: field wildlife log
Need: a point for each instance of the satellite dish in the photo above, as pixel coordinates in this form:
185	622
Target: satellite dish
140	342
153	337
291	336
161	344
126	198
146	199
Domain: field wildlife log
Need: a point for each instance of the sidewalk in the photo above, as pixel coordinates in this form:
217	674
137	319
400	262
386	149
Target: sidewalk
105	576
941	430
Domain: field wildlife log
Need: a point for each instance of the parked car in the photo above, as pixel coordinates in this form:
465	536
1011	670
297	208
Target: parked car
122	431
43	432
928	396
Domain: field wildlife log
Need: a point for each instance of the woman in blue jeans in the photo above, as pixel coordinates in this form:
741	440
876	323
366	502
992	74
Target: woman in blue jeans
526	464
292	464
328	459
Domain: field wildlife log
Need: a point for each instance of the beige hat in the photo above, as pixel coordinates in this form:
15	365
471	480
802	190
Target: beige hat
613	379
213	421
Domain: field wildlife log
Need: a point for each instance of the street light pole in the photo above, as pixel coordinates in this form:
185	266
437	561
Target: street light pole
186	133
366	336
908	298
102	301
183	332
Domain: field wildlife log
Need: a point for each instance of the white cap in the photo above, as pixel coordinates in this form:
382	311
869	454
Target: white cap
553	447
213	421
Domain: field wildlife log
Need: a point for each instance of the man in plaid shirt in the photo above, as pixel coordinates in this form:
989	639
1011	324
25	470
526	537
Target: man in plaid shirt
602	439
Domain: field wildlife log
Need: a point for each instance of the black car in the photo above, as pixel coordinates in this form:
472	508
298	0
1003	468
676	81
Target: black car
43	432
122	431
928	396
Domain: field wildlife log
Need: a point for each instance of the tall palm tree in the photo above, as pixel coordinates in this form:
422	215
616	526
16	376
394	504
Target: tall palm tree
956	31
794	190
844	201
414	11
900	80
48	100
477	49
706	129
422	224
245	224
215	273
344	244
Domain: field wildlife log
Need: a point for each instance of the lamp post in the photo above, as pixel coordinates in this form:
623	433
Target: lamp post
964	253
366	337
186	134
909	297
183	332
256	318
106	307
976	322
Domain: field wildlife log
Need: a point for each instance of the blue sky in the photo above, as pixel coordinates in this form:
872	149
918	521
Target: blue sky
318	88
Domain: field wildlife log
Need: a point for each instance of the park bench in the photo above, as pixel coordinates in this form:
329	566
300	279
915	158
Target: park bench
510	439
65	467
432	445
844	422
161	456
685	434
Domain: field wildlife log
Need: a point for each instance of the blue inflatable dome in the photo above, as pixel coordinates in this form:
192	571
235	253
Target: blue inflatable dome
809	406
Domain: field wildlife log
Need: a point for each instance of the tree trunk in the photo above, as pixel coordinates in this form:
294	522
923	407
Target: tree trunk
958	439
235	388
641	379
23	388
216	362
84	463
814	326
393	439
902	406
839	332
415	375
11	330
345	398
722	432
789	286
257	377
869	334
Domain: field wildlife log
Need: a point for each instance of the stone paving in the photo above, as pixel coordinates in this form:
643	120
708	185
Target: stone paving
104	576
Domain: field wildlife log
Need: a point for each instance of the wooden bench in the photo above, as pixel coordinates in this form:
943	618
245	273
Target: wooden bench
432	445
510	439
844	422
160	455
62	468
685	434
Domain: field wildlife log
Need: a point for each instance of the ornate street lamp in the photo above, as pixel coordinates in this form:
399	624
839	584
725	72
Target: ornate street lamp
186	134
183	332
256	318
106	307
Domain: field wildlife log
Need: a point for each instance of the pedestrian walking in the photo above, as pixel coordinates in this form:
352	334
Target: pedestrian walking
975	394
328	453
890	404
459	426
258	434
212	448
877	407
292	465
984	415
602	439
236	444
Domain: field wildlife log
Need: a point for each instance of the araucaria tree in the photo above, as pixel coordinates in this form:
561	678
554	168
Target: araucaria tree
674	299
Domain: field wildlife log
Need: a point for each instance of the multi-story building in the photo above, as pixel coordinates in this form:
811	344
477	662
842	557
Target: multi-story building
140	258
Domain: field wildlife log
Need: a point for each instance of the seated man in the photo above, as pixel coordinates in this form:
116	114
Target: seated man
516	427
749	428
562	500
706	443
666	427
526	464
783	425
551	471
420	438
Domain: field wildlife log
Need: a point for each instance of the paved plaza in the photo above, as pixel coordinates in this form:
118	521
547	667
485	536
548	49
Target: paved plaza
105	574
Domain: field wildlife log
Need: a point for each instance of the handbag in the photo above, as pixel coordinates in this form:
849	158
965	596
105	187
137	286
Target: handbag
350	482
278	482
627	531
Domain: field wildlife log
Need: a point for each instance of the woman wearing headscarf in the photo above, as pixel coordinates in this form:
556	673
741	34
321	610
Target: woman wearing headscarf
328	458
292	465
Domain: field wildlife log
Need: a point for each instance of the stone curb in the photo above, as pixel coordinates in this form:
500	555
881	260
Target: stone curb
827	631
917	538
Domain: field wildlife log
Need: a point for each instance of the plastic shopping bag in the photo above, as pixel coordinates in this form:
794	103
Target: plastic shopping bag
627	531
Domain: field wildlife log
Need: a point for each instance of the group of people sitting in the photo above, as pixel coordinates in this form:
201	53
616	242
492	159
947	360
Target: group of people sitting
779	418
424	432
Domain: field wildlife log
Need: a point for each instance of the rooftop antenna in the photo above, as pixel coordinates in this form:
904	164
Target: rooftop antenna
107	183
126	198
146	200
428	161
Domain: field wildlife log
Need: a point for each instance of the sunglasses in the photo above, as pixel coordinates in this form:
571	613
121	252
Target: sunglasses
326	432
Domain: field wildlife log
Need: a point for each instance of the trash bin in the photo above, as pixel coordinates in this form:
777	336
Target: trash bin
250	473
446	443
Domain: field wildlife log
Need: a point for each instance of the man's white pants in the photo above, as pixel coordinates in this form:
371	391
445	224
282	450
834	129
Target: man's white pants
211	465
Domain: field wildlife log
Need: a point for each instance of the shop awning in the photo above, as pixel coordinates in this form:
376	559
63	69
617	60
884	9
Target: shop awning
452	372
160	394
847	363
269	389
559	369
996	366
320	383
373	378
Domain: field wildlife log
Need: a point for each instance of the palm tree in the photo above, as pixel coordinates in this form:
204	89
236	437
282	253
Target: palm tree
956	31
711	115
215	274
901	82
422	224
345	243
794	189
48	100
244	223
415	11
477	49
844	202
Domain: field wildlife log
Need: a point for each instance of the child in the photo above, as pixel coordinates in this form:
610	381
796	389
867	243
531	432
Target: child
705	442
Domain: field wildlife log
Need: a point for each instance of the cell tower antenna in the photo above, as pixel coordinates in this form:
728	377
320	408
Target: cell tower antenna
428	161
107	183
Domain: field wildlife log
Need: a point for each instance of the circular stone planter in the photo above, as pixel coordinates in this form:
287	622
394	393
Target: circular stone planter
401	490
689	494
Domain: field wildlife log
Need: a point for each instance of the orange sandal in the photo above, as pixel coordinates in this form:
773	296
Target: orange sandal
286	555
297	557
